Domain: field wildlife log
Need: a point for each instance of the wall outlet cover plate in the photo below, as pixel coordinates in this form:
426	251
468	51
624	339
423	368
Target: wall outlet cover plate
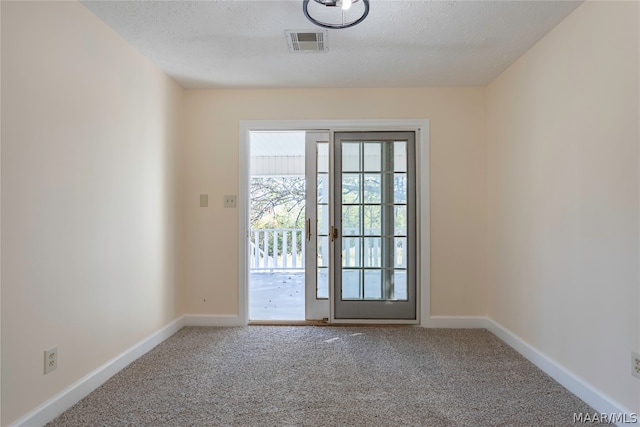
50	359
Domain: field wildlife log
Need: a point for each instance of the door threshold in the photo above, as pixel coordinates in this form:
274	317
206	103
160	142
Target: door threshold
288	323
325	323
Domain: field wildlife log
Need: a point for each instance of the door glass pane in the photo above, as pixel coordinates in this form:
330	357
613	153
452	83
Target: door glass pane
322	285
400	285
372	220
371	188
400	252
400	220
323	157
351	156
372	251
351	221
372	284
323	220
351	284
351	188
400	188
372	156
323	188
323	251
351	252
400	156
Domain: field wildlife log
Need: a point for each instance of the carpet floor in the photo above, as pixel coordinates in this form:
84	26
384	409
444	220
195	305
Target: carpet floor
328	376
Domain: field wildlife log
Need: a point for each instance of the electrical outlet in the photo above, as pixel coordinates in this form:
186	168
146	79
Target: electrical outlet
230	201
50	359
635	364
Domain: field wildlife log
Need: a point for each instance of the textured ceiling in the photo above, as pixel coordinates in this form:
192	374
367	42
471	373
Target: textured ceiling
214	44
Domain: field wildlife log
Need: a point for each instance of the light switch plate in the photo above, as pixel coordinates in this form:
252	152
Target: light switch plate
204	200
230	201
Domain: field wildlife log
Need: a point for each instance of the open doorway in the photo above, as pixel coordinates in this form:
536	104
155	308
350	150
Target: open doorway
277	226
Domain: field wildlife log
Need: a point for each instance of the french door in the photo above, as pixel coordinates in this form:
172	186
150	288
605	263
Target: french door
361	224
317	268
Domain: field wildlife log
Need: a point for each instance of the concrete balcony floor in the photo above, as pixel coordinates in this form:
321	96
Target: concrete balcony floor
276	296
280	295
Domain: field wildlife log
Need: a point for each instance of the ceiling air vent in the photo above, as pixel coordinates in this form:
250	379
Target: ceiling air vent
307	40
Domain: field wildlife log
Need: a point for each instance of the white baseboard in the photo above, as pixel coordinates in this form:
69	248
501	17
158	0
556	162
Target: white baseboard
213	320
455	322
81	388
600	402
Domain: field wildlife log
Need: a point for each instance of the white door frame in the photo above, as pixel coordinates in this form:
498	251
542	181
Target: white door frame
420	126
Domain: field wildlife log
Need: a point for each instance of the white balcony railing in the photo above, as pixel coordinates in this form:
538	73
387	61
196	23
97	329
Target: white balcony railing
276	249
284	249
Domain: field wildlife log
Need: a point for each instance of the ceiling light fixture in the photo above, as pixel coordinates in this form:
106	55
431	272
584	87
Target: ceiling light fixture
335	14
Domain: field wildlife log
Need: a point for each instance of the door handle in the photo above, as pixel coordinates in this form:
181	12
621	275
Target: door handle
334	233
309	229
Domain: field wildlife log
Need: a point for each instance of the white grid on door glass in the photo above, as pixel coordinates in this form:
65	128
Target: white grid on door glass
367	199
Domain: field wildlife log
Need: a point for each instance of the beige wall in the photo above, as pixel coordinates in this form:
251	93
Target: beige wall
563	205
89	139
458	196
